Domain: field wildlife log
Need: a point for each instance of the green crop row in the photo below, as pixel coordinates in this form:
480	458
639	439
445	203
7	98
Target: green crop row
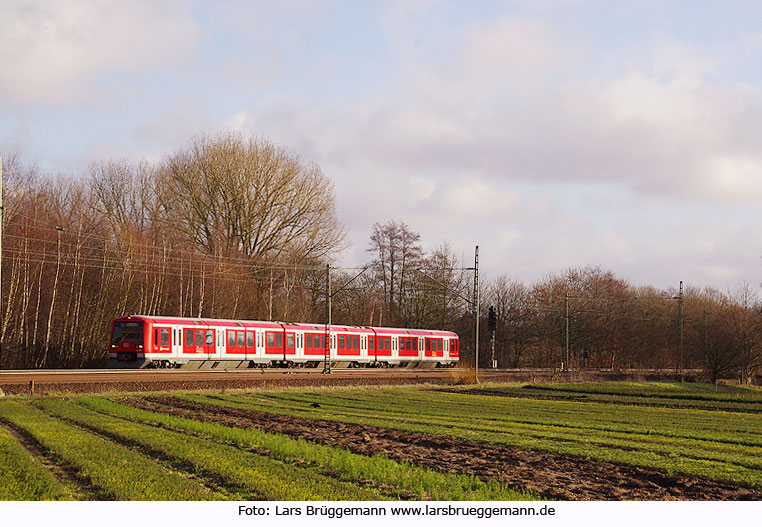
23	477
634	399
729	431
716	445
115	471
398	479
256	476
667	390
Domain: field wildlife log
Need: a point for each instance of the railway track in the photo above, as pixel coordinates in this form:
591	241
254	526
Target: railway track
97	381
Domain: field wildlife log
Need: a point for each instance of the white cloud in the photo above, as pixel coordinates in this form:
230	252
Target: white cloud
475	197
52	52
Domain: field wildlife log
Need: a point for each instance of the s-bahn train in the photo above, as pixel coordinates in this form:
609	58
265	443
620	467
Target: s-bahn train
139	341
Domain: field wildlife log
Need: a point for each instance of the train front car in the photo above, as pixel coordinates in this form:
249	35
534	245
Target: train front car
127	342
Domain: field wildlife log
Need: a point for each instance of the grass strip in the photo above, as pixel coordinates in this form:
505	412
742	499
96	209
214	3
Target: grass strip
260	476
116	472
23	477
399	478
660	390
559	427
664	400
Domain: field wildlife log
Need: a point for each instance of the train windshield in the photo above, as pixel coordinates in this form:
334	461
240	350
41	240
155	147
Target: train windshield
127	332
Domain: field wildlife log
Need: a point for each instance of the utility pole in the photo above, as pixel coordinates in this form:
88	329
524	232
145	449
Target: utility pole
476	314
327	363
566	339
492	325
1	250
328	296
680	319
706	341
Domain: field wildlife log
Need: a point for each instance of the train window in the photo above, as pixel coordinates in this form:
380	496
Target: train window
439	345
189	337
279	340
249	339
127	332
231	338
271	340
210	337
370	342
356	342
309	341
199	337
320	341
164	334
240	338
341	342
289	340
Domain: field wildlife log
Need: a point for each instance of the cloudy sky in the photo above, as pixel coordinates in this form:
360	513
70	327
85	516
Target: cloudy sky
626	135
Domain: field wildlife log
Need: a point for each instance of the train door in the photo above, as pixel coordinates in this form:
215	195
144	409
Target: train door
189	342
299	345
289	350
250	344
454	349
205	342
162	340
260	339
177	341
220	342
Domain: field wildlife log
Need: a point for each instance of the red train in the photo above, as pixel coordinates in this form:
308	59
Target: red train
139	341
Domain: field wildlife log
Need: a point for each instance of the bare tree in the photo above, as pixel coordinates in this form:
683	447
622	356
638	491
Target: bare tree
249	197
398	254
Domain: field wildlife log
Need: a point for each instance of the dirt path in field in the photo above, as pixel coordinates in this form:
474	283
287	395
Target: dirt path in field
552	476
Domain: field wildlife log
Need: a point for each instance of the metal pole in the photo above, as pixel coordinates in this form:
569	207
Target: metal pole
476	314
680	317
492	346
566	341
1	250
327	363
706	342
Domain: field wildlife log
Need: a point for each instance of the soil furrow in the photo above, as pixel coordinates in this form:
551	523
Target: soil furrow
552	476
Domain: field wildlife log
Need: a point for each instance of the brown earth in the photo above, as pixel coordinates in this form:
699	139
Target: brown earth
551	476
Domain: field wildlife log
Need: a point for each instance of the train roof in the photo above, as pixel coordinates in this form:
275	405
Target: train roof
301	326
